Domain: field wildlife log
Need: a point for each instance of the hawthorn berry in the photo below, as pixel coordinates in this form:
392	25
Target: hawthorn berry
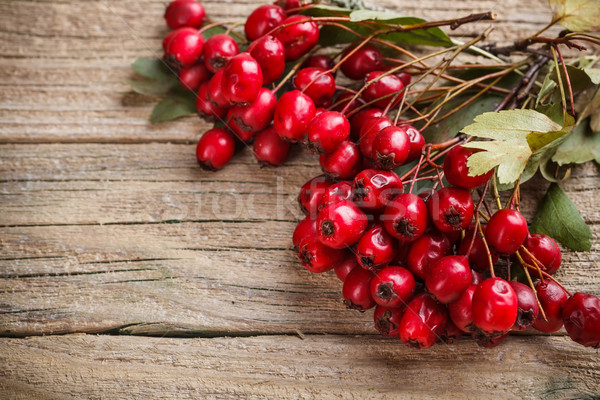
269	54
506	231
344	267
293	113
341	224
448	278
393	287
305	228
218	49
343	163
374	189
262	20
247	120
215	148
327	131
456	170
242	79
387	320
311	193
528	309
359	119
316	83
205	107
423	322
478	258
184	47
405	217
270	149
451	209
319	61
191	78
363	60
316	257
369	130
495	306
356	290
215	92
182	13
417	142
424	251
391	147
581	316
376	248
461	310
384	90
337	192
298	37
552	299
545	251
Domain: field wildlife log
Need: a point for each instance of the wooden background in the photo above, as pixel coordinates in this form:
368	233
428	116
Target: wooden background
127	272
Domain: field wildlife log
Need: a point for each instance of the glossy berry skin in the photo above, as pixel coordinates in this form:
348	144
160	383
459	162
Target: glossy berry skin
369	131
184	48
545	250
405	77
552	298
494	306
247	120
327	131
374	189
393	287
405	217
389	86
451	209
448	278
311	194
417	142
477	277
215	148
506	231
344	163
306	228
288	4
270	149
293	113
376	248
215	91
180	13
299	38
387	320
360	118
262	20
424	251
356	290
478	259
336	192
317	84
456	170
269	54
461	310
341	224
242	79
581	316
218	49
205	107
391	147
423	322
316	257
191	78
528	309
319	61
344	267
364	60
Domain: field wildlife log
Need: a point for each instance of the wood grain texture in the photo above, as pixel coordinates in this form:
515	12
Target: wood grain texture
276	367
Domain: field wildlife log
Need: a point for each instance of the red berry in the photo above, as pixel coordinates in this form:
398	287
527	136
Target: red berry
299	37
269	54
336	192
180	13
356	290
184	48
270	148
215	91
376	248
346	266
448	278
461	310
319	61
360	118
247	120
405	77
489	341
364	60
545	250
218	49
393	287
341	224
387	320
344	163
205	107
528	308
581	315
417	142
477	277
450	334
311	194
506	231
293	113
191	78
391	147
384	90
478	258
242	79
451	209
317	84
305	228
456	170
374	189
327	131
262	20
369	131
423	322
316	257
288	4
405	217
494	306
424	251
552	298
215	149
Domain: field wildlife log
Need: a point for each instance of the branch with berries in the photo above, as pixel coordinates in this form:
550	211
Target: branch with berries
423	154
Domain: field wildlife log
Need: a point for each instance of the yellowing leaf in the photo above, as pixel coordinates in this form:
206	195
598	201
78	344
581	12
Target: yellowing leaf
577	15
537	140
509	156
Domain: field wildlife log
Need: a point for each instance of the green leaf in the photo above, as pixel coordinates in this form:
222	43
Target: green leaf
577	15
509	156
323	10
548	87
149	87
558	218
582	145
594	74
579	78
178	105
152	68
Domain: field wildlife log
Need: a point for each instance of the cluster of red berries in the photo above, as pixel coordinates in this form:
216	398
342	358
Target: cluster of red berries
425	262
427	269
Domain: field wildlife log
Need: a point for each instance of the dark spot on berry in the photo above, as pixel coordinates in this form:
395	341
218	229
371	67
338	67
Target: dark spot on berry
453	218
239	121
367	262
353	306
385	291
405	228
327	228
383	323
414	343
524	317
386	161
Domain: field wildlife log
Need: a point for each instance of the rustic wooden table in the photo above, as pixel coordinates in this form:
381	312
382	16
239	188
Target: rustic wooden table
128	272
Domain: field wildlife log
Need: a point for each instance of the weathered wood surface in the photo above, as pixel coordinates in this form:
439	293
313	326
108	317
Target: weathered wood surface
107	225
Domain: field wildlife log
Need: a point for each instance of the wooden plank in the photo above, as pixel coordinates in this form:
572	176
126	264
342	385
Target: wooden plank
277	367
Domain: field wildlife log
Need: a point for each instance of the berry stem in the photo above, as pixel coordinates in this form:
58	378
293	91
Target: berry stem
564	66
418	167
532	286
477	207
487	250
